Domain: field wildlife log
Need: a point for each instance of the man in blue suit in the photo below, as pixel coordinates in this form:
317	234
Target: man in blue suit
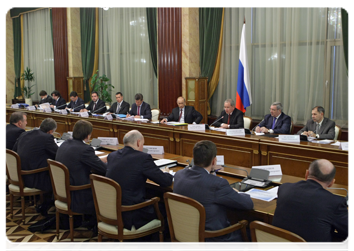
213	192
140	109
76	103
275	122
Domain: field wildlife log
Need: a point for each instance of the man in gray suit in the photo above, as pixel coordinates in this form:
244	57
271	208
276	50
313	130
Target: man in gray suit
319	126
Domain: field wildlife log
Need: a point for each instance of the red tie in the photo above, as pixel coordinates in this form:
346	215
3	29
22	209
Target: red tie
139	110
94	106
228	119
180	115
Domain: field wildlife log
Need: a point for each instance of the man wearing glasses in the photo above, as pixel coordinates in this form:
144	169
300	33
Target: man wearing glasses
276	122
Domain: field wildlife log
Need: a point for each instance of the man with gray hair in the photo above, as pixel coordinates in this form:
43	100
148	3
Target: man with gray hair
34	148
18	122
231	117
319	127
275	122
309	210
130	167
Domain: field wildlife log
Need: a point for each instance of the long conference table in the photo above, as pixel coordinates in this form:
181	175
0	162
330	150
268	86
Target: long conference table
243	151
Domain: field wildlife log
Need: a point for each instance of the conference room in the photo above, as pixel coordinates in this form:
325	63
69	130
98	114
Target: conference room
256	57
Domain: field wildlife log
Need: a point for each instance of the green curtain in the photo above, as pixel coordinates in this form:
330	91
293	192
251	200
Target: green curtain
15	12
87	23
152	29
209	35
16	23
344	15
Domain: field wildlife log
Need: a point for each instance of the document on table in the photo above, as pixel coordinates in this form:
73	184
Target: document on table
266	195
98	152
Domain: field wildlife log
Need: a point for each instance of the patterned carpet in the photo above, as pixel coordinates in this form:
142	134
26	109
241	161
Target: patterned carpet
18	232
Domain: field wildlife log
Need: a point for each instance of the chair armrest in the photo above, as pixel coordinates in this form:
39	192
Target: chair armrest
27	172
152	201
82	187
240	225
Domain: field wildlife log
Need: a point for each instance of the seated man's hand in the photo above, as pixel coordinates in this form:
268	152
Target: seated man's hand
226	126
128	115
137	116
311	134
83	110
264	130
52	106
305	133
258	129
163	121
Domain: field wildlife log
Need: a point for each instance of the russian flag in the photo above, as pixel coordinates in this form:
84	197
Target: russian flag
243	94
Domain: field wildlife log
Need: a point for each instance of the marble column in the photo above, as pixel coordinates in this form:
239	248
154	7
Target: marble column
10	67
190	45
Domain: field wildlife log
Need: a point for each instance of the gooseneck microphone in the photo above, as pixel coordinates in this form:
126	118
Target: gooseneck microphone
98	109
77	106
217	120
256	125
60	106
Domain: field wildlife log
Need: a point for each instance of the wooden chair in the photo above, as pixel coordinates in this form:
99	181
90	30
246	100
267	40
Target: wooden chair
338	132
186	220
263	232
292	128
60	177
16	185
155	114
107	195
247	121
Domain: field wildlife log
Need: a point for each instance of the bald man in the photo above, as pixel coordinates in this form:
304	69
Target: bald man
130	167
308	209
183	113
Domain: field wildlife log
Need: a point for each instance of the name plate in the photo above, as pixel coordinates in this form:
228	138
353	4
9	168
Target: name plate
289	138
220	160
31	108
108	117
344	146
83	114
64	112
198	127
154	149
274	170
235	132
108	141
14	106
47	109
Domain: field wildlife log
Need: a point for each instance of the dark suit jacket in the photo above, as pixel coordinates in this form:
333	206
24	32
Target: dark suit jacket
310	211
100	103
190	115
48	99
81	160
124	108
215	194
145	110
12	134
80	104
236	119
282	126
34	148
130	169
326	131
59	103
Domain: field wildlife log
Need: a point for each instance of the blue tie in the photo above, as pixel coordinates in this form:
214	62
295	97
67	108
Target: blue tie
273	123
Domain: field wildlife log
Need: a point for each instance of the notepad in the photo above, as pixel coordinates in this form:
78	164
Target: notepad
165	163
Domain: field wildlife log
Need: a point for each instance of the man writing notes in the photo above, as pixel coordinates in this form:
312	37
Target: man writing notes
140	109
18	122
58	102
308	209
45	98
76	103
231	117
130	167
119	107
275	122
213	192
96	105
319	126
183	113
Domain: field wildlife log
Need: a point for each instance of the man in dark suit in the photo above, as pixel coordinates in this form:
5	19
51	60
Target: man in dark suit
119	107
58	101
45	98
18	122
130	167
96	105
231	117
183	113
275	122
81	161
140	109
76	103
309	210
213	192
319	126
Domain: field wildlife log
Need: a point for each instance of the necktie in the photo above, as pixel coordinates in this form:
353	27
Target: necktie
228	119
139	110
118	107
94	106
273	123
180	115
317	128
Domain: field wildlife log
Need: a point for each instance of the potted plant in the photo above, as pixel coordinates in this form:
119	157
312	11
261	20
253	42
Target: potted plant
27	90
99	84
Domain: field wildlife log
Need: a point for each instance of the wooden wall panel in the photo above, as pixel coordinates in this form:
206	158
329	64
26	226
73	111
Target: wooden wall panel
169	57
60	46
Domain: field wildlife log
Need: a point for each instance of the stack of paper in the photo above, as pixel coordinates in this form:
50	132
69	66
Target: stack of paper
266	195
165	163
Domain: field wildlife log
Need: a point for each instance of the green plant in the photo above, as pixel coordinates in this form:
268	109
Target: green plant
99	84
27	75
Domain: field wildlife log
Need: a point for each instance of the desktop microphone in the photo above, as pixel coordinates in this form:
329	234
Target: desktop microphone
77	107
217	120
60	106
99	109
256	125
340	188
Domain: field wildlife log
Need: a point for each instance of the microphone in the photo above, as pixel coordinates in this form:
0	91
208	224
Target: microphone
60	106
257	125
217	120
99	109
77	107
